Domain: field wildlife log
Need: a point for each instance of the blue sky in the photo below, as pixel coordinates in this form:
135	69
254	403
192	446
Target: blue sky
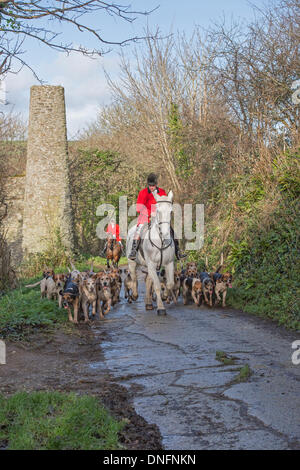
85	86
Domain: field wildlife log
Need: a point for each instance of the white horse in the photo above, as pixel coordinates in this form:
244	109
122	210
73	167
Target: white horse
157	249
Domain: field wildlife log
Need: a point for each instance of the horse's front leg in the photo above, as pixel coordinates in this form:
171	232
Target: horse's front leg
132	270
157	288
117	255
169	268
148	302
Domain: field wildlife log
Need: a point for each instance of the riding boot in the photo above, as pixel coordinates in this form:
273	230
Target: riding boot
103	252
134	249
178	253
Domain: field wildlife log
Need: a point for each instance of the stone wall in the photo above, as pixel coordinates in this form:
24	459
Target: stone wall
13	223
47	201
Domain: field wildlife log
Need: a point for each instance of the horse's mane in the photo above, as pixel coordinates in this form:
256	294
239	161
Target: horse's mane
162	198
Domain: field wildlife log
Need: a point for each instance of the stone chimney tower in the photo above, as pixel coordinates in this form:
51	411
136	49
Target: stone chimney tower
47	202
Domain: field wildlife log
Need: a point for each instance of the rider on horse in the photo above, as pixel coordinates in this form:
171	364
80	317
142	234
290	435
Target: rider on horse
146	207
113	232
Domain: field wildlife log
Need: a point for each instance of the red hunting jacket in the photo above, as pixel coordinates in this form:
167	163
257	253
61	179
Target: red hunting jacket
114	230
143	205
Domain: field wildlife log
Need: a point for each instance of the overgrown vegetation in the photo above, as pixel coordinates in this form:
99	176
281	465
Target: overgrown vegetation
55	255
258	225
7	273
56	421
12	163
213	115
22	311
98	177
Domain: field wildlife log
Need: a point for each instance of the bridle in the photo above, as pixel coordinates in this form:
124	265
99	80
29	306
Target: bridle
162	247
111	242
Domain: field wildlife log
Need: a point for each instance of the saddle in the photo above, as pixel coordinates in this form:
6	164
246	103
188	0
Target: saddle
111	243
145	227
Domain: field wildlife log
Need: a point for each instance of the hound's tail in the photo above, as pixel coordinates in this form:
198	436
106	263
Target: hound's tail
221	262
34	285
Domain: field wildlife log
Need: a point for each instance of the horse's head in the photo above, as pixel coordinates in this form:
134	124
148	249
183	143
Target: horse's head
163	213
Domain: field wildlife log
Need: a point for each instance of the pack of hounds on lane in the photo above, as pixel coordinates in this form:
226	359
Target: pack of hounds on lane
80	292
88	292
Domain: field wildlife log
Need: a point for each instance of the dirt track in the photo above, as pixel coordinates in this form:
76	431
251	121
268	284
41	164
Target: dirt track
62	362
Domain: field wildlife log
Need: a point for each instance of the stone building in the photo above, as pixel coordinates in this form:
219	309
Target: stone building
39	199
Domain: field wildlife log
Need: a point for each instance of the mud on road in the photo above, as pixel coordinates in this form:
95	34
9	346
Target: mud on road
60	361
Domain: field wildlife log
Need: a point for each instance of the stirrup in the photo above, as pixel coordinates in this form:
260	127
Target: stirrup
180	255
133	252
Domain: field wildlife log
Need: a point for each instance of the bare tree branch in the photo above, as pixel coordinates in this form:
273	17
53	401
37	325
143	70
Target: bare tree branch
41	19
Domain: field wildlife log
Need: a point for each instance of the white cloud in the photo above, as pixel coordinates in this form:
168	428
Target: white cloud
18	90
84	82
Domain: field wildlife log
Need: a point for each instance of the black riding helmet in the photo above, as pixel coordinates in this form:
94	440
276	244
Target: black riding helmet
152	179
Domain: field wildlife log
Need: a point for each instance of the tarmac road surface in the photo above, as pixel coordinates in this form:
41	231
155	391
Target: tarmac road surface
169	363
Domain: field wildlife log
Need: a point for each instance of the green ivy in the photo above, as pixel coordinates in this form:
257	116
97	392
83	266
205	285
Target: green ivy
183	162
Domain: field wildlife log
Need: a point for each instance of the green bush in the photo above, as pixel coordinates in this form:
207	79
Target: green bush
267	273
286	172
255	222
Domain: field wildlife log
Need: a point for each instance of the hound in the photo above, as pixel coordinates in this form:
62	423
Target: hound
59	281
177	284
192	287
128	286
71	298
222	282
45	285
116	284
104	294
207	287
191	269
88	290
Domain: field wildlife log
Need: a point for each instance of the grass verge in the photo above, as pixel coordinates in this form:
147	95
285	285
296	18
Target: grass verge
22	310
56	421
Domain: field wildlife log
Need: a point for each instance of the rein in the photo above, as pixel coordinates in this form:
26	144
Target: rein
162	248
